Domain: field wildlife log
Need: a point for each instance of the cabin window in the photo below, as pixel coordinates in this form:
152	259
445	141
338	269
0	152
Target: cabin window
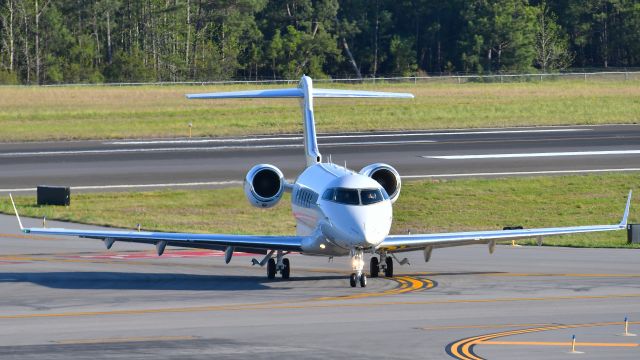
305	197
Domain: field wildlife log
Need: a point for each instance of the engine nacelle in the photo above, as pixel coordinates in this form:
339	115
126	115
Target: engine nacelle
386	176
264	185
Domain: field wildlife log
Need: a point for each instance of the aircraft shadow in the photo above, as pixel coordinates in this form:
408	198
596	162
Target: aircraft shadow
148	281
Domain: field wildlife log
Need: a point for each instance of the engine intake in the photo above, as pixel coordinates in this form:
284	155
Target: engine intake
386	176
264	185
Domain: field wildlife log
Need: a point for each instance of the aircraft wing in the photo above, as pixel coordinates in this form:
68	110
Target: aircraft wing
400	243
247	243
204	241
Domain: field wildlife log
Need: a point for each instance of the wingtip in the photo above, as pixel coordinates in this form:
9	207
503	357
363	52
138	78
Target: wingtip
625	216
16	211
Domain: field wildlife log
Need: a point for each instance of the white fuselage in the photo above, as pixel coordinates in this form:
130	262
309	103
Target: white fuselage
339	224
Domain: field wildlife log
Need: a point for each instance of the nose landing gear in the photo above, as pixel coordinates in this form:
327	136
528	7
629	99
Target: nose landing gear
357	263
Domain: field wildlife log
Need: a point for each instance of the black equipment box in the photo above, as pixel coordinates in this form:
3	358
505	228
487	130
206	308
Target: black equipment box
54	195
519	227
633	233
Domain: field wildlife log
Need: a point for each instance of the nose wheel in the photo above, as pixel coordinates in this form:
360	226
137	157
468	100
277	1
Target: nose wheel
354	279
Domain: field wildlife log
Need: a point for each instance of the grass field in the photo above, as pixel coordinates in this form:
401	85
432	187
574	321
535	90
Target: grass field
52	113
423	206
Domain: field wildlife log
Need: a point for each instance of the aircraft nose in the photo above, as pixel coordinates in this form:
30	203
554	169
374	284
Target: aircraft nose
364	226
373	232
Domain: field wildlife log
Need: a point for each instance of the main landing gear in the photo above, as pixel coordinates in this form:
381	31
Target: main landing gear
375	266
357	263
281	265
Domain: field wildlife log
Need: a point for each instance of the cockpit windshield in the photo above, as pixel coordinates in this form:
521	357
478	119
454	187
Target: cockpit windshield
354	196
370	196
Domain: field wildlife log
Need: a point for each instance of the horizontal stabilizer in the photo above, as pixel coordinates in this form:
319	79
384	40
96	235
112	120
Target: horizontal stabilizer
298	93
332	93
272	93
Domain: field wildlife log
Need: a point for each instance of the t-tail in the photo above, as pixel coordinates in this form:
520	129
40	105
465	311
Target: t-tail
305	92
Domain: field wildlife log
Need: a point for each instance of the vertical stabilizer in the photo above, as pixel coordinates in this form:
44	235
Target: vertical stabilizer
311	151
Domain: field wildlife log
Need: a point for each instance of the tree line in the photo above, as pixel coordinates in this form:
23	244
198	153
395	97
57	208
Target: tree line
92	41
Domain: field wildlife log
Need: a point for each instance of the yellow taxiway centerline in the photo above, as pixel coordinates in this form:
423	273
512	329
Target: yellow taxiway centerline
463	349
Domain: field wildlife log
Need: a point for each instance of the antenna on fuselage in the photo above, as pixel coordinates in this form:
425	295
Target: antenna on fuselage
305	92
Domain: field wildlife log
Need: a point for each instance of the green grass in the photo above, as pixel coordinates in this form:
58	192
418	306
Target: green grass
423	206
46	113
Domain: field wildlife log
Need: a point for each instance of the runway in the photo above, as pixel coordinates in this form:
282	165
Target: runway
72	299
215	162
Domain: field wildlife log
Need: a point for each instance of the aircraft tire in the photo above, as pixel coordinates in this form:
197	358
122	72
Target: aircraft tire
388	271
363	280
287	268
353	280
374	269
271	269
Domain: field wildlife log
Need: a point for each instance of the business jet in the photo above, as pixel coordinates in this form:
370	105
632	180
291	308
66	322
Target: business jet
338	211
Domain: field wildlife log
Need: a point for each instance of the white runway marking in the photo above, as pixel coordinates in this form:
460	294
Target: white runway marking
533	155
352	136
544	172
136	186
202	141
191	149
118	151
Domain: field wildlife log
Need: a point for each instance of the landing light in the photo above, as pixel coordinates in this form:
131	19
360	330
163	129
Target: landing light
357	262
322	246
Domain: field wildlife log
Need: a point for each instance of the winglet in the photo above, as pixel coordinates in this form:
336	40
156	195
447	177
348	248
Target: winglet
16	211
623	222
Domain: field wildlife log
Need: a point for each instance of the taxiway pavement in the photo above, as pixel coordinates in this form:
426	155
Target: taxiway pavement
64	298
214	162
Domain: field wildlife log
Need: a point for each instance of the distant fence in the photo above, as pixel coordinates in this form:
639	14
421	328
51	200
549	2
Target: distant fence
453	79
505	78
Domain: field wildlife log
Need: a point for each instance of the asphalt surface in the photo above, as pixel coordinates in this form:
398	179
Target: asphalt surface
136	164
67	298
63	298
